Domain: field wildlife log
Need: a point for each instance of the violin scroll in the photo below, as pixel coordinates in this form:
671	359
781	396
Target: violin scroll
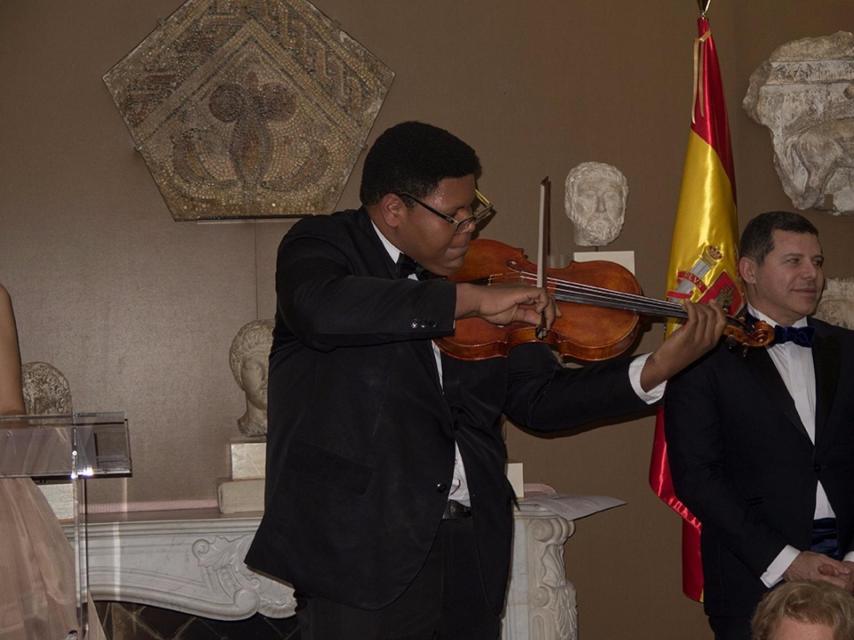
758	334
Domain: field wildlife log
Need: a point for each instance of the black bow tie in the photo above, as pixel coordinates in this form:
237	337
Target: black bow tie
801	336
406	266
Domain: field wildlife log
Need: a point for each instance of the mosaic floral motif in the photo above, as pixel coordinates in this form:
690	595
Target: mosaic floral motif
249	109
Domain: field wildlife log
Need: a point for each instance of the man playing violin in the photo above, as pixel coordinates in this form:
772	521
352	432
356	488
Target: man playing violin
761	444
387	506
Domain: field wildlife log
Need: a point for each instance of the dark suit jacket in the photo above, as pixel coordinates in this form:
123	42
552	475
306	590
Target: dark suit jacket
360	443
743	463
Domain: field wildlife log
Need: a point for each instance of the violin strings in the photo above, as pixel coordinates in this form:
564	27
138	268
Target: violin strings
588	294
566	291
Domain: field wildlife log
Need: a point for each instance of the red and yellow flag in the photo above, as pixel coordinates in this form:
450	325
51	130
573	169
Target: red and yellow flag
702	256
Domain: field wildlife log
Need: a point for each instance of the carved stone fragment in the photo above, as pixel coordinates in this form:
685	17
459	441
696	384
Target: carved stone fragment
46	390
837	302
804	94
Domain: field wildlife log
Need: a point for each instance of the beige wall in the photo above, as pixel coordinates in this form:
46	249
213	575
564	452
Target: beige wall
139	311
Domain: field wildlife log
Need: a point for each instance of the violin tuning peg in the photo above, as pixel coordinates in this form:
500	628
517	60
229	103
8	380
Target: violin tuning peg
732	344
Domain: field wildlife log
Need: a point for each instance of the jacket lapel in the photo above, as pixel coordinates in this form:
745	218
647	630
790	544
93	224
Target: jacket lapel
826	360
768	379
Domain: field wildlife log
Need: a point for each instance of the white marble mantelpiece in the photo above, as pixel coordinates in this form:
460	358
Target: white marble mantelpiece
192	561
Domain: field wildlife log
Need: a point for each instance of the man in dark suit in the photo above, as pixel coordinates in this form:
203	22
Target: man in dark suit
387	506
761	444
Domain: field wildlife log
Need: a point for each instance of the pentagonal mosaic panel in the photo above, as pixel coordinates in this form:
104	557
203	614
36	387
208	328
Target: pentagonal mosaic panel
249	109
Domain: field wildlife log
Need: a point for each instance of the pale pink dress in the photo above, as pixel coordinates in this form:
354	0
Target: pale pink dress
36	568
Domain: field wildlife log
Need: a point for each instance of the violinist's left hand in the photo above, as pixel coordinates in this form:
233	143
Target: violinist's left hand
698	335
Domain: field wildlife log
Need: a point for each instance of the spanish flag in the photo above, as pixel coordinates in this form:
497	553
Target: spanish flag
702	256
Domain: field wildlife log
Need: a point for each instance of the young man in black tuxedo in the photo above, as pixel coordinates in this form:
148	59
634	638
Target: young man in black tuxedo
387	506
761	445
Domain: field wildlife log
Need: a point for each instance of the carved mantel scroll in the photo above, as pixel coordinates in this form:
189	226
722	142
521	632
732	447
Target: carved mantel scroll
553	613
222	560
194	565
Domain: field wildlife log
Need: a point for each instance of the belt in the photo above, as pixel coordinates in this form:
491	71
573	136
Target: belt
455	510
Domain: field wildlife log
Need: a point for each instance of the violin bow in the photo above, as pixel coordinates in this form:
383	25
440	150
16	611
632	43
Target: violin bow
542	244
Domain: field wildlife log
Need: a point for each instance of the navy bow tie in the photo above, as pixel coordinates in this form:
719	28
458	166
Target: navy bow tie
799	335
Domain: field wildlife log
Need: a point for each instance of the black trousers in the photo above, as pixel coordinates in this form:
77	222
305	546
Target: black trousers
445	602
730	627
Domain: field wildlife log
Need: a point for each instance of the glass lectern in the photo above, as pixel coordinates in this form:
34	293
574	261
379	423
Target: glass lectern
74	447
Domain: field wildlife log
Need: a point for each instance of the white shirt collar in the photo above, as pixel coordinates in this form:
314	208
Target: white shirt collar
802	322
393	252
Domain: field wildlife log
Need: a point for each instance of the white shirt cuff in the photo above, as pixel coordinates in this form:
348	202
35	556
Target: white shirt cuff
774	573
653	395
849	557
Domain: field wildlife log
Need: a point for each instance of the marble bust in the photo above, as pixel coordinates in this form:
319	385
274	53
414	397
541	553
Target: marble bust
46	390
837	302
804	94
248	357
595	202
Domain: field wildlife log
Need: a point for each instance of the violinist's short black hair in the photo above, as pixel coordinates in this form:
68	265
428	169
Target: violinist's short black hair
757	239
413	157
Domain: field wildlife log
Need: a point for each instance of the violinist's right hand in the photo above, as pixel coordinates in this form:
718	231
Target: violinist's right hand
500	304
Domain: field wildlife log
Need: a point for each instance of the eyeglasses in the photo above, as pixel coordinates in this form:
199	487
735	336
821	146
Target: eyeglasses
481	209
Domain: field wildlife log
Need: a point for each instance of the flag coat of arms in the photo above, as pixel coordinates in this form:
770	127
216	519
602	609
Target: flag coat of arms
702	256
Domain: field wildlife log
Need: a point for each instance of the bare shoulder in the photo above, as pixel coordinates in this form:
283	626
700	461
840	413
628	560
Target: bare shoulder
5	300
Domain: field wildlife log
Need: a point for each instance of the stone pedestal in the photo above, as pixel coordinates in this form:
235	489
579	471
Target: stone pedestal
247	458
244	491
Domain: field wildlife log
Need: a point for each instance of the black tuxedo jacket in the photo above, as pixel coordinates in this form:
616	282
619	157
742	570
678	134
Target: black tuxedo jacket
360	443
743	463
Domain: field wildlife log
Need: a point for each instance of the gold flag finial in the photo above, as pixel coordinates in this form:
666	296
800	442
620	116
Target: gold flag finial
704	5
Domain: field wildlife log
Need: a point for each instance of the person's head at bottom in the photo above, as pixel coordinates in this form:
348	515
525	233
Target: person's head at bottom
804	611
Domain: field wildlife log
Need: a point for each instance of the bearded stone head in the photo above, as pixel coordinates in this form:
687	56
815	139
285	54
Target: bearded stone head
596	195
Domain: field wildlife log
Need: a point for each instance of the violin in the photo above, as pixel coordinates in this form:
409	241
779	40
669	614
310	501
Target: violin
600	305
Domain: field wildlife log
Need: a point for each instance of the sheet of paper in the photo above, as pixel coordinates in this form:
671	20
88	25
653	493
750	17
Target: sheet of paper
572	507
